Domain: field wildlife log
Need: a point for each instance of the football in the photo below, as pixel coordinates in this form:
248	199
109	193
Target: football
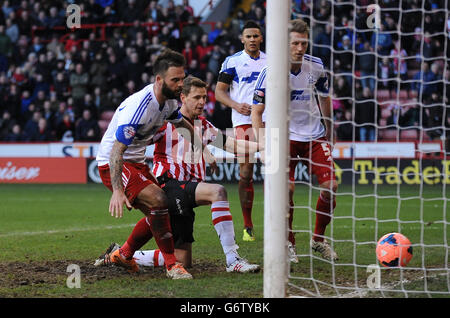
393	250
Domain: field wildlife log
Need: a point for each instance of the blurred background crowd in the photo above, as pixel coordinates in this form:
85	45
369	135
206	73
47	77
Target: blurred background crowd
58	84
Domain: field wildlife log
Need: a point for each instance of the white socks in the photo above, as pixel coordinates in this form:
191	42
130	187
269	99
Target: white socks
223	223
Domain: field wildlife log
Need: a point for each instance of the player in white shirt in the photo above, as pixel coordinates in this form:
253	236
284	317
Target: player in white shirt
235	89
121	160
182	179
310	132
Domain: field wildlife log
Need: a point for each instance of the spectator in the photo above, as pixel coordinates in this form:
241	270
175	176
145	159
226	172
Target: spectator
323	45
215	58
213	34
382	41
366	115
87	128
192	28
6	124
188	52
98	71
435	113
115	72
342	91
188	8
44	132
16	134
6	45
409	116
194	70
65	128
346	128
386	75
400	66
202	50
31	129
79	81
367	62
344	59
25	23
12	30
134	69
53	19
61	86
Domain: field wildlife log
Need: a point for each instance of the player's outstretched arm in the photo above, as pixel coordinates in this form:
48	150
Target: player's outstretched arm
185	128
118	198
241	147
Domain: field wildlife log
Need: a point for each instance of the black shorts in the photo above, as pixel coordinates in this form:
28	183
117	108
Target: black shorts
181	204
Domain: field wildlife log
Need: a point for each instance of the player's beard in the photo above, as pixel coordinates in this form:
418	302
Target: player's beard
168	93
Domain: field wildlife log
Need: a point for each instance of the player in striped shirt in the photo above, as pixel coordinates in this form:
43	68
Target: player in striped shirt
181	172
121	160
310	132
234	89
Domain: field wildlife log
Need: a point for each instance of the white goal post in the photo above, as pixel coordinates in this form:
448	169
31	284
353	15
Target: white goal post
276	204
395	180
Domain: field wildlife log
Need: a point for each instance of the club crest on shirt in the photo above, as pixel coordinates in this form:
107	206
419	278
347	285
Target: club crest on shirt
310	78
129	132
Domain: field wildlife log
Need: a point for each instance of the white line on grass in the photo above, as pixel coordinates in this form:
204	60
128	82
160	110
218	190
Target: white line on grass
76	229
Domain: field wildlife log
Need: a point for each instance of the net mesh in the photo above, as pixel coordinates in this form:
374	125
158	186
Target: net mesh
387	63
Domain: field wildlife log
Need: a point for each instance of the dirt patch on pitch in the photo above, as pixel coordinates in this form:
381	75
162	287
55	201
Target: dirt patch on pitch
17	274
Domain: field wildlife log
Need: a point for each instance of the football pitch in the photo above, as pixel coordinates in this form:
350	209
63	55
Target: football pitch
44	229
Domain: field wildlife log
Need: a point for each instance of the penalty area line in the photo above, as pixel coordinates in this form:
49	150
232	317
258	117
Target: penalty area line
94	228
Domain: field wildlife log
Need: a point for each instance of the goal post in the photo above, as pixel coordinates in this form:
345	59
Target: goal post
276	203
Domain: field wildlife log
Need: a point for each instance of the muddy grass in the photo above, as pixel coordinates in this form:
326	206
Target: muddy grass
17	274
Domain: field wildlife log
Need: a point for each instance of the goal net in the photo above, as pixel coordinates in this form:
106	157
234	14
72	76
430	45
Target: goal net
388	70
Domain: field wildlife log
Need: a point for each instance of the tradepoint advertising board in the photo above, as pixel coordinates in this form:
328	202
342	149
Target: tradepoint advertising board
355	163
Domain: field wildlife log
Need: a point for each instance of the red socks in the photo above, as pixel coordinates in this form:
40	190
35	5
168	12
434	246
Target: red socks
246	195
157	225
291	236
161	229
324	209
140	235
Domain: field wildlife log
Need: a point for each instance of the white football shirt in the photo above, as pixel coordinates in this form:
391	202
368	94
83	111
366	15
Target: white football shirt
245	70
135	122
305	116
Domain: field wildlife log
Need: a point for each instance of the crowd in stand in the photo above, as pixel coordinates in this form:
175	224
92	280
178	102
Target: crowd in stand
56	83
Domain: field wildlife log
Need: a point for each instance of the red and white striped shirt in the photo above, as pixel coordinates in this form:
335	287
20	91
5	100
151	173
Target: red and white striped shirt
173	154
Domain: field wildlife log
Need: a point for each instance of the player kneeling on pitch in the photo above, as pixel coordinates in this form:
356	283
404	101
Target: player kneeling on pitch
180	173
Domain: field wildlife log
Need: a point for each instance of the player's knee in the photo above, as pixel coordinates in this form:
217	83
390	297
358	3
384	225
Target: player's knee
291	188
329	189
160	200
246	172
219	193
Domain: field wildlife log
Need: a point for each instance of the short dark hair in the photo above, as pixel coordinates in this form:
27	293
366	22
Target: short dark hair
250	24
299	26
166	59
190	81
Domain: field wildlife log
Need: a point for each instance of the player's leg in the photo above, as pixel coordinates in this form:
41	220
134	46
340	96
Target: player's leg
245	185
152	201
144	193
323	167
294	149
216	196
180	203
